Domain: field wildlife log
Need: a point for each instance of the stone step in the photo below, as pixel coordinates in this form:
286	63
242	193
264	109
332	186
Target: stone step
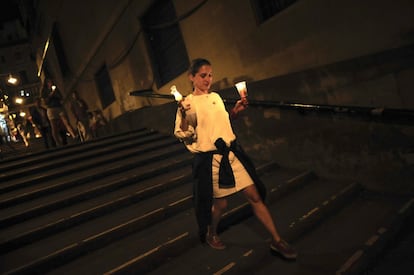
123	205
169	207
12	170
32	186
245	236
28	158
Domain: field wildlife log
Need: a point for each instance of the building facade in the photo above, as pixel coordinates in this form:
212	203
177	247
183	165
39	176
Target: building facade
337	53
19	84
106	49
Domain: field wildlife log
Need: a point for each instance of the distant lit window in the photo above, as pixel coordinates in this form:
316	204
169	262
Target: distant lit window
24	93
265	9
104	83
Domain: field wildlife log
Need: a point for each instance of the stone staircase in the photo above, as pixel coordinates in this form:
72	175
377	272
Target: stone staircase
123	205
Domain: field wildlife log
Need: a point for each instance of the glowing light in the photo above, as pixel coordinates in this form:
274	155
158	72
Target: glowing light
241	88
178	97
12	80
19	100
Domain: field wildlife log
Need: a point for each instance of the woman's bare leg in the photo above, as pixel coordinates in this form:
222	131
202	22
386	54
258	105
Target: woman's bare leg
54	124
261	211
219	206
68	126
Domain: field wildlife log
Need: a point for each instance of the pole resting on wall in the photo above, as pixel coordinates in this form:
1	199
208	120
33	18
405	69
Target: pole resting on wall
150	93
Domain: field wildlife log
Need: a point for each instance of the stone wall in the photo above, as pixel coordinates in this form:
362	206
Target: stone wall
370	149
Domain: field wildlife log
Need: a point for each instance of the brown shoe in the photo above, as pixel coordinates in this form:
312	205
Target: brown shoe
214	242
284	249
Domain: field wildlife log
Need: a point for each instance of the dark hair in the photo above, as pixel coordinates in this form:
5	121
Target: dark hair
196	64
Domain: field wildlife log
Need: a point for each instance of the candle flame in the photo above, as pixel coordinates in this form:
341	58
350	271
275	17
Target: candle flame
178	97
241	88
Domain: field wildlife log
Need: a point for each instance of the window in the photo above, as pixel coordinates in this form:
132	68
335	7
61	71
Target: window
265	9
165	43
103	81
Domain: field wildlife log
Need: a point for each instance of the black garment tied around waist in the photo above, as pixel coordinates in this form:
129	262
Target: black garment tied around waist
226	176
203	182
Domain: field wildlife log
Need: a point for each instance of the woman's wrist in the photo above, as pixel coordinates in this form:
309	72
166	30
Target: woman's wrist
183	113
184	125
233	113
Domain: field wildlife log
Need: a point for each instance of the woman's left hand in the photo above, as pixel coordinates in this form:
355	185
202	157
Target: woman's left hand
240	105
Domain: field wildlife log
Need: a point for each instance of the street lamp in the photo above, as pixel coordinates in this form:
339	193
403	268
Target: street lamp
19	100
12	80
4	90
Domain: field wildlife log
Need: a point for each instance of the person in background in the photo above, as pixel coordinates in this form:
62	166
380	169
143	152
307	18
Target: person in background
40	120
220	166
21	123
79	109
5	140
55	111
30	128
96	120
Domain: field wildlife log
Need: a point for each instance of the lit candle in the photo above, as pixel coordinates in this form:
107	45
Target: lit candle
178	97
241	88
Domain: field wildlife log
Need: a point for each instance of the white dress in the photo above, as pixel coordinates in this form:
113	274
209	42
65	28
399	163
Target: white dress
209	121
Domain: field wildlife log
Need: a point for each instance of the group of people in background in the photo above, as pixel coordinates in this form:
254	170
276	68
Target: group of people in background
50	118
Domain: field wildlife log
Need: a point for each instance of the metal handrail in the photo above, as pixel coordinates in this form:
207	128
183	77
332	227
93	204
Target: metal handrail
373	113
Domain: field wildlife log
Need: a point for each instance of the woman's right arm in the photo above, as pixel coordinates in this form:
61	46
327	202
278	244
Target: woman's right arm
184	122
183	130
